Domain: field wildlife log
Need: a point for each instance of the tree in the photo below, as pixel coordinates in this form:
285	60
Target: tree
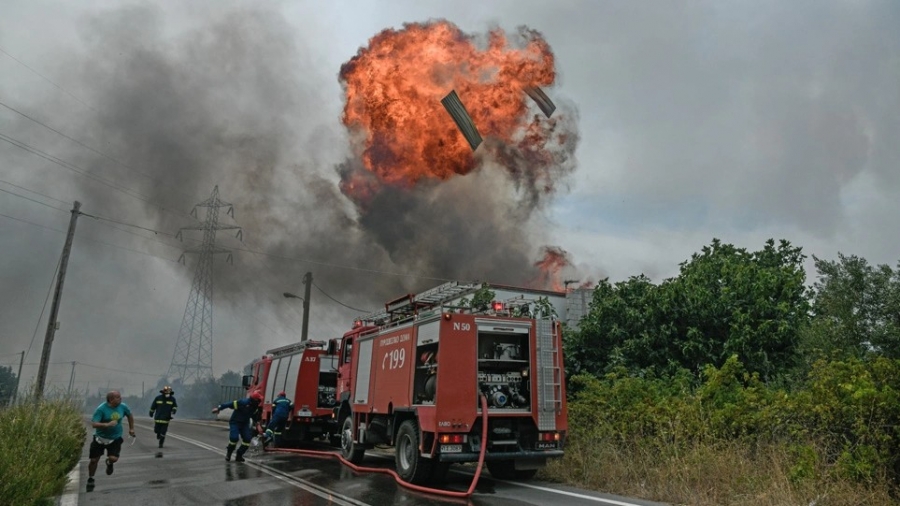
752	305
725	301
856	309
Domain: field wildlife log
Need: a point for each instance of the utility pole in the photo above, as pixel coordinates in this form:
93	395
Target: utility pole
72	378
15	392
307	280
52	324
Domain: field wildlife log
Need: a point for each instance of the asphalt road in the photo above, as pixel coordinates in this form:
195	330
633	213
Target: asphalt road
191	470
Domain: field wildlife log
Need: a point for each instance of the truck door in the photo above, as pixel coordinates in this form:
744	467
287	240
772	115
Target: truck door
344	371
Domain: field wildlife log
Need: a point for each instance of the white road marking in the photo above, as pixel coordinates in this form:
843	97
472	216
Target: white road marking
553	490
573	494
284	477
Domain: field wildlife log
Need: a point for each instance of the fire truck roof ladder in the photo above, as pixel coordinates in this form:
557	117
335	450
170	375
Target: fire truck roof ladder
409	304
295	347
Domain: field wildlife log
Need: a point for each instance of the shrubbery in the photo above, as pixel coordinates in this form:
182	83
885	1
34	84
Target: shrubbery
733	440
42	442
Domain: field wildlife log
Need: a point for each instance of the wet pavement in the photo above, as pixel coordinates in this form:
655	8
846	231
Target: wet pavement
191	470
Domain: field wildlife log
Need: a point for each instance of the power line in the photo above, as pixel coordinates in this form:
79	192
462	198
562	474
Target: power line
255	252
34	192
46	79
339	302
49	290
93	239
32	200
74	168
97	151
247	250
32	223
126	224
62	163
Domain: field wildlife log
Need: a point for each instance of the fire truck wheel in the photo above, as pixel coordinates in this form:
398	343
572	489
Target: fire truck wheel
410	464
506	470
350	450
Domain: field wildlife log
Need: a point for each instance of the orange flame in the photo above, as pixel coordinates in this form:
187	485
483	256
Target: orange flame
393	99
551	266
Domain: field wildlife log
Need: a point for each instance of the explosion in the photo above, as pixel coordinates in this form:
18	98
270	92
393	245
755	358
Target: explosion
393	105
433	192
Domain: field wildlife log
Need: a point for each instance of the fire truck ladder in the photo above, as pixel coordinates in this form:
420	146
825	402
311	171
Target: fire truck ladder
429	298
549	375
295	347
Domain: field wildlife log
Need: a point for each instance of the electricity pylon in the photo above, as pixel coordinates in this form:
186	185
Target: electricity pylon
193	351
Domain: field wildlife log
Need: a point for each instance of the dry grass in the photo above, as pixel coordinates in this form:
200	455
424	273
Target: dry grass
709	474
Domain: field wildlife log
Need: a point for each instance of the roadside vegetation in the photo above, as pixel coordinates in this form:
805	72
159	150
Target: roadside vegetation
735	383
42	442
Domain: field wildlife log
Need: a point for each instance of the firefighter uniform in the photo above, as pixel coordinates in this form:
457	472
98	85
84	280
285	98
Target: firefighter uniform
281	410
245	410
162	410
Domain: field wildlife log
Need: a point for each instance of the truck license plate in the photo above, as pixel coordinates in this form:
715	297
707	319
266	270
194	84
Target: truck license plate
451	448
545	445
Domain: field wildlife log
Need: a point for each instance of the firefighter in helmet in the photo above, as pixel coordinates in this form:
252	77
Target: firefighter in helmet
246	410
281	411
162	411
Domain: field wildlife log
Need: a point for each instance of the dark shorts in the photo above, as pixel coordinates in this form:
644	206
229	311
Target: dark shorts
112	449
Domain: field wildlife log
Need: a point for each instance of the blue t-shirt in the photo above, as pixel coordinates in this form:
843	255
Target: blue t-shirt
105	413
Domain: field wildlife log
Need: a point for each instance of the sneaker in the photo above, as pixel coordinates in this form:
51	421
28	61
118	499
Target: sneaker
90	484
109	466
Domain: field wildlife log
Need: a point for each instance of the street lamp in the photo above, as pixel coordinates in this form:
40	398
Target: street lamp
289	295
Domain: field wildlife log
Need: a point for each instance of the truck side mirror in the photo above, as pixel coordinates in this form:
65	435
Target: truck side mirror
331	349
246	381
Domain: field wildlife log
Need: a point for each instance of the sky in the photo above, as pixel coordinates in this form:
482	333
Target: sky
685	121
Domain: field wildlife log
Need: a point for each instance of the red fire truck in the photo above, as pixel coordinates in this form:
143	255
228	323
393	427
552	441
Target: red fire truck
413	377
307	373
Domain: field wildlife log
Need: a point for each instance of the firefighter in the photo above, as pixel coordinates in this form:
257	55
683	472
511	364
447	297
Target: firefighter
245	410
162	411
281	410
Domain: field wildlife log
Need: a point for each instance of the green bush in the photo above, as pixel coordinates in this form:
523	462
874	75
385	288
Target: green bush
42	442
853	408
833	433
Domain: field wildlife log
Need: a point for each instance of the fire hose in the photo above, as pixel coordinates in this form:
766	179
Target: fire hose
400	481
